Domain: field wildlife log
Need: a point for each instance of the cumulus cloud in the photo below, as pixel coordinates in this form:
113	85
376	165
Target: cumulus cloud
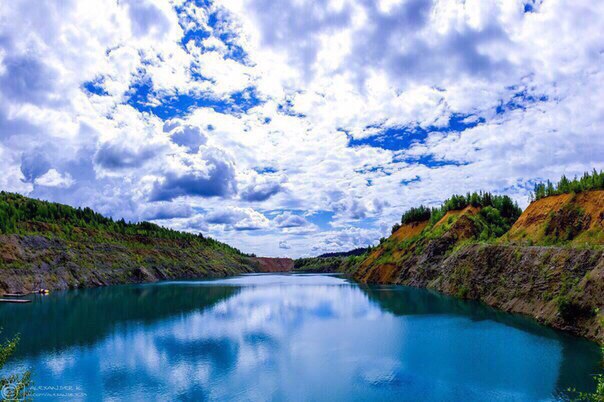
289	220
147	19
34	165
166	210
52	178
188	136
240	219
357	109
27	79
121	155
260	191
284	245
211	175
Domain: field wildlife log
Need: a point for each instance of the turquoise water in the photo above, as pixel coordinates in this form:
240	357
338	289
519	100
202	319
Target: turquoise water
288	338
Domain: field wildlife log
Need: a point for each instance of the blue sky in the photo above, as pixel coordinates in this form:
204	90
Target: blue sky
299	127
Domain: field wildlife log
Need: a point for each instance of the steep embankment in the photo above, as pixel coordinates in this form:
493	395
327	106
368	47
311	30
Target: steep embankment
55	246
29	262
267	264
552	279
576	219
417	245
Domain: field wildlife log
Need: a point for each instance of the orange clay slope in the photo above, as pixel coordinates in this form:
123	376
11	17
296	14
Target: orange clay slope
575	219
406	247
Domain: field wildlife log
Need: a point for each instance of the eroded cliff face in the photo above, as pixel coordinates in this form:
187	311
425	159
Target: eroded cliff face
32	262
573	219
268	264
560	282
559	286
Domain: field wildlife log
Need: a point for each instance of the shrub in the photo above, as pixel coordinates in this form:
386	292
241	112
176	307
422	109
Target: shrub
15	386
571	311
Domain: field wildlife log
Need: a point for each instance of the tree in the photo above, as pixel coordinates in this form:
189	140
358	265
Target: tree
587	182
395	227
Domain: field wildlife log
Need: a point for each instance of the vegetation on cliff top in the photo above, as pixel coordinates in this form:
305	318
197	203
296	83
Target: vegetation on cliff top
23	215
499	210
569	212
587	182
333	262
55	246
355	251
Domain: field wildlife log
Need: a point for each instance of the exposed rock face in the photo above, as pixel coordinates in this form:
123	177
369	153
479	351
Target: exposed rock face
572	218
32	262
561	284
267	264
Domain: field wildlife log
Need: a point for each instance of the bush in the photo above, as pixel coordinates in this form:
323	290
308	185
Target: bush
395	227
15	386
571	311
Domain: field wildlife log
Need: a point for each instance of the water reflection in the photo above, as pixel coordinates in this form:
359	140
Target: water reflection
291	337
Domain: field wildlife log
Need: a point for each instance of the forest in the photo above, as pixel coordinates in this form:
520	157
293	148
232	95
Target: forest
23	215
500	209
587	182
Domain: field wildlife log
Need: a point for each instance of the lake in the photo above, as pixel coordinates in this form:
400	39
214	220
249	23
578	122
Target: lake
288	337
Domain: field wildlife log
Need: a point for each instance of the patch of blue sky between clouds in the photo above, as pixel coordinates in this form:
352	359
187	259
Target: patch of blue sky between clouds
429	161
169	106
265	169
401	138
215	22
322	219
520	100
95	87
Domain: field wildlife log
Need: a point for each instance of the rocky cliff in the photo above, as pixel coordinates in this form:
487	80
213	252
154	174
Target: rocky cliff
29	262
550	265
267	264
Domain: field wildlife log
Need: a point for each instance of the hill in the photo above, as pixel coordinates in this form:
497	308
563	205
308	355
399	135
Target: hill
345	261
428	235
549	264
576	219
55	246
356	251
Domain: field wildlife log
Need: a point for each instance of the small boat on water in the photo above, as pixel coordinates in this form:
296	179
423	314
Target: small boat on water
16	297
15	301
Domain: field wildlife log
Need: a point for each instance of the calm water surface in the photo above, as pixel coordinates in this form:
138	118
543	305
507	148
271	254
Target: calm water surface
288	338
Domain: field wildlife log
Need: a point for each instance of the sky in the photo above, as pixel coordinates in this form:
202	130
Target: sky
296	127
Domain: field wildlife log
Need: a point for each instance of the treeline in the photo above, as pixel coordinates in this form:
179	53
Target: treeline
587	182
17	211
356	251
500	208
318	264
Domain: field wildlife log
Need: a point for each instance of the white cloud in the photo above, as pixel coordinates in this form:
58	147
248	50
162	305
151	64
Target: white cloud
323	73
52	178
289	220
238	218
